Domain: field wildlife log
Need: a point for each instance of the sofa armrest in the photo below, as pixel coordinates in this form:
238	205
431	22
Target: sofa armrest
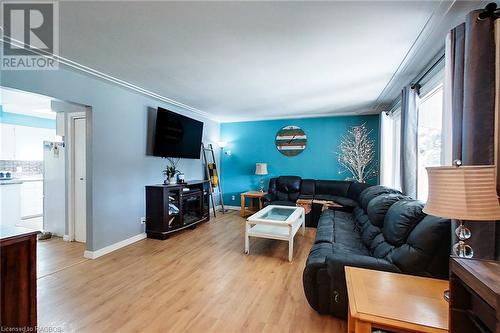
335	264
267	197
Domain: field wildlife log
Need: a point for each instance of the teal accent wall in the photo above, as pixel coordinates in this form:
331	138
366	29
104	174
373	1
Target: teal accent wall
253	141
24	120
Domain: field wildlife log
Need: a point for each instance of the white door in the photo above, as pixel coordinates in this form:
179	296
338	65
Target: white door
80	206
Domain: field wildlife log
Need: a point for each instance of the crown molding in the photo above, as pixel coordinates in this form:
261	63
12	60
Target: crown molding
436	18
109	78
428	44
367	112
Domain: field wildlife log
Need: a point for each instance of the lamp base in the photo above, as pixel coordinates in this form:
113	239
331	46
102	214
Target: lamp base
261	182
461	249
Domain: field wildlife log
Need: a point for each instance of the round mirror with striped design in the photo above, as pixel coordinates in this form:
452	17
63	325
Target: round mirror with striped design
291	140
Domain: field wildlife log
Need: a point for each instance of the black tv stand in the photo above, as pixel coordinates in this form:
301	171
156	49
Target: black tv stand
169	208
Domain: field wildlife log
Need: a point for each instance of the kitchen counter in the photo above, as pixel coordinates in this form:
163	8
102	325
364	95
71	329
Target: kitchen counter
7	232
11	182
20	180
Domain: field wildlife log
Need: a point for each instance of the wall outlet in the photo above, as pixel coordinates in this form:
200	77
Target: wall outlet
233	197
143	220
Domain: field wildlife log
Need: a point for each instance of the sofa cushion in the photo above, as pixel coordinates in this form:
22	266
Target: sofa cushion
345	231
350	239
333	187
369	232
285	188
422	245
289	184
338	228
367	195
350	249
362	219
379	247
357	212
355	190
307	187
324	231
378	207
400	220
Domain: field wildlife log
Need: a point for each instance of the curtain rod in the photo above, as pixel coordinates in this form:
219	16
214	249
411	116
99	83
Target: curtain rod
489	11
416	84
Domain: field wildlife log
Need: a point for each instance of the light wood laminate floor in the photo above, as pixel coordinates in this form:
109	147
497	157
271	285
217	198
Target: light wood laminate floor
196	281
54	254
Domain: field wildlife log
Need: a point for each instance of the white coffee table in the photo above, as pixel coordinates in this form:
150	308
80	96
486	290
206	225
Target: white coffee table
275	222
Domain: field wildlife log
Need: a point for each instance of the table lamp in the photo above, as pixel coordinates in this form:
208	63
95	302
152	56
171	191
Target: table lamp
261	170
463	193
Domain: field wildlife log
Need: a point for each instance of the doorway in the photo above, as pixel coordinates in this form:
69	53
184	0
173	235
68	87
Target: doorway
28	136
43	161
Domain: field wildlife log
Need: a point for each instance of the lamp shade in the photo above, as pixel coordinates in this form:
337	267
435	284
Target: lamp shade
463	193
222	144
261	169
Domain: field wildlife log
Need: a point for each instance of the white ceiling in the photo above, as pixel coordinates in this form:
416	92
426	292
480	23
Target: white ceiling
252	60
20	102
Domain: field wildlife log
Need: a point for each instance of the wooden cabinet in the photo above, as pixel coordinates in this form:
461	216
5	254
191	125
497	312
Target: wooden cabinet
474	295
170	208
18	272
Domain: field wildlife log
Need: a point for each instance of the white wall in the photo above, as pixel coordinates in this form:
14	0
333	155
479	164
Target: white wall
23	142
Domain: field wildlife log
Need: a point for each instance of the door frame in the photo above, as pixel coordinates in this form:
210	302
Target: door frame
70	171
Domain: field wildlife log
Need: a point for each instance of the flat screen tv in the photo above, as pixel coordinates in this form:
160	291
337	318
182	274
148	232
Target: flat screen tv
177	135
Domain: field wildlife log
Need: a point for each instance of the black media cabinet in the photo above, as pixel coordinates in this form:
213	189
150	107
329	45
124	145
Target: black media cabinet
170	208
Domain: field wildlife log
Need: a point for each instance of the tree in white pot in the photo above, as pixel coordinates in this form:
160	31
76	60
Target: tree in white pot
357	154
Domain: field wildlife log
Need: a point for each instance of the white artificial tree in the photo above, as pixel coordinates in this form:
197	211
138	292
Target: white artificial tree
357	154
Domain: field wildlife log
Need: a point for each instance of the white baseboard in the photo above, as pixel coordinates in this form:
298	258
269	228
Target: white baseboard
113	247
232	207
66	238
219	207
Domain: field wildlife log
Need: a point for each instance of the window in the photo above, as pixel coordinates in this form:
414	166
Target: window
429	140
390	148
433	135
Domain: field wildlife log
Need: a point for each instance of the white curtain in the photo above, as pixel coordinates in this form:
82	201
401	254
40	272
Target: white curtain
409	140
390	128
386	139
446	134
